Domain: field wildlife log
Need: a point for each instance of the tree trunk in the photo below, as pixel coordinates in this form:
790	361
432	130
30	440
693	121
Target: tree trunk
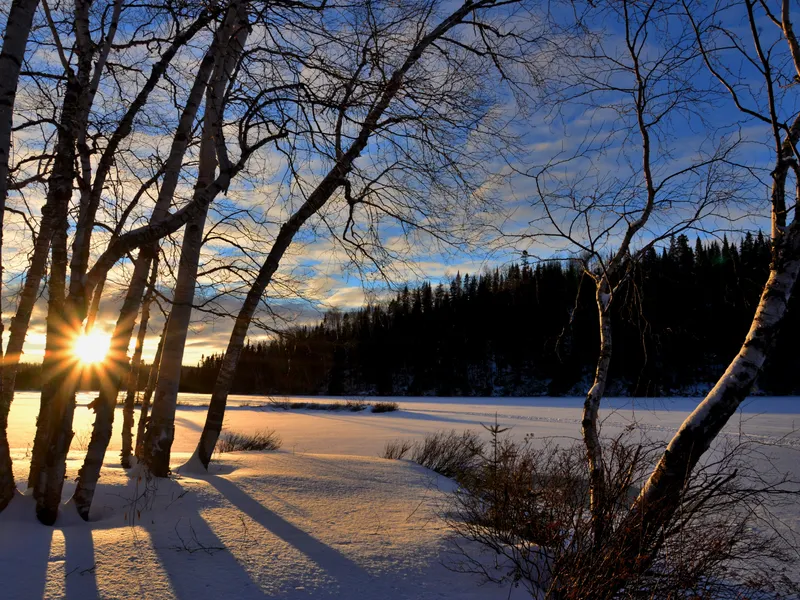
116	365
58	355
316	200
150	387
118	359
133	374
60	368
64	318
161	429
15	39
591	409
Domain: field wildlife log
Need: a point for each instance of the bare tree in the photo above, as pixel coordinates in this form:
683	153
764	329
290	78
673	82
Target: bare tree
78	97
215	74
644	74
402	99
775	55
135	370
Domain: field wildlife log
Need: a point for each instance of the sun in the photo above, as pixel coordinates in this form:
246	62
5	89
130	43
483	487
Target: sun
92	348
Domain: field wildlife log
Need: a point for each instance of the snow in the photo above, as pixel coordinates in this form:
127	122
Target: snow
325	517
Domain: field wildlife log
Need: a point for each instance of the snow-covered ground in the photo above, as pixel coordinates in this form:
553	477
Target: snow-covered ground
323	517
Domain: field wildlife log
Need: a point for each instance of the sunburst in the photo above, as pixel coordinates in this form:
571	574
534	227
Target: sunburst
92	348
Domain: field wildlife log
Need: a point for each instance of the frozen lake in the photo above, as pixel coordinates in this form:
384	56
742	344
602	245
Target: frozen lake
320	518
772	419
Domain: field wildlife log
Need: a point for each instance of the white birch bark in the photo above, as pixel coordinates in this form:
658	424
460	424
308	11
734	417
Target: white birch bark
117	360
15	39
161	428
591	409
133	375
150	387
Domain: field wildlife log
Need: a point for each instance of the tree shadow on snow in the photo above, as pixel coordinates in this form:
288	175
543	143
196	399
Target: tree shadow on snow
80	580
24	551
347	573
196	561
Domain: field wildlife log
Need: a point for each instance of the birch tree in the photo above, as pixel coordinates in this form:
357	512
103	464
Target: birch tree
213	77
426	80
15	39
82	82
769	47
639	66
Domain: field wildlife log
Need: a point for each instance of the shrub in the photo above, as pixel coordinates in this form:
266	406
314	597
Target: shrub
231	441
384	407
351	405
529	506
449	453
397	449
355	405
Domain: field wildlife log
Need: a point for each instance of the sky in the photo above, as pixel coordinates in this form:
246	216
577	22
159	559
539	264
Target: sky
571	161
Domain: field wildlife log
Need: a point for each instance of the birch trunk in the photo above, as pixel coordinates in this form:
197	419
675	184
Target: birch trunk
58	358
659	495
33	279
64	324
316	200
148	394
117	361
161	428
116	366
15	39
133	374
54	425
591	409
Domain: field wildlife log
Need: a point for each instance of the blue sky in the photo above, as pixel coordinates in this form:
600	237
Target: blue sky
597	125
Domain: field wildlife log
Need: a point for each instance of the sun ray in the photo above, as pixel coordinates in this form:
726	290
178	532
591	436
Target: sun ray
91	348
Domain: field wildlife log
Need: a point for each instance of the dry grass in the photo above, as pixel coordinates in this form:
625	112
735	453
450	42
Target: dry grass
231	441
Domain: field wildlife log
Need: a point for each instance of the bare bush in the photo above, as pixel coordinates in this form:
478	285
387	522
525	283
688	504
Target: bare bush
384	407
231	441
449	453
355	405
397	449
528	506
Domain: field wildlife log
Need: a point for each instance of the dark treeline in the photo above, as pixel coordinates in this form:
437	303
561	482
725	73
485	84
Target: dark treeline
528	330
531	330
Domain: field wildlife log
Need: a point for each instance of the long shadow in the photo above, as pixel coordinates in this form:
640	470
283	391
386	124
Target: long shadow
423	416
23	575
196	560
345	571
188	423
80	580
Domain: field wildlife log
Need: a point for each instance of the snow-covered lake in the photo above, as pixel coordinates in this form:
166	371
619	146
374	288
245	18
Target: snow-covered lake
324	517
364	433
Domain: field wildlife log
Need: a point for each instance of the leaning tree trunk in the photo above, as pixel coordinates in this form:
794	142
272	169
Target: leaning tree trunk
133	374
660	498
161	428
316	200
150	387
15	39
118	358
591	409
116	366
222	385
